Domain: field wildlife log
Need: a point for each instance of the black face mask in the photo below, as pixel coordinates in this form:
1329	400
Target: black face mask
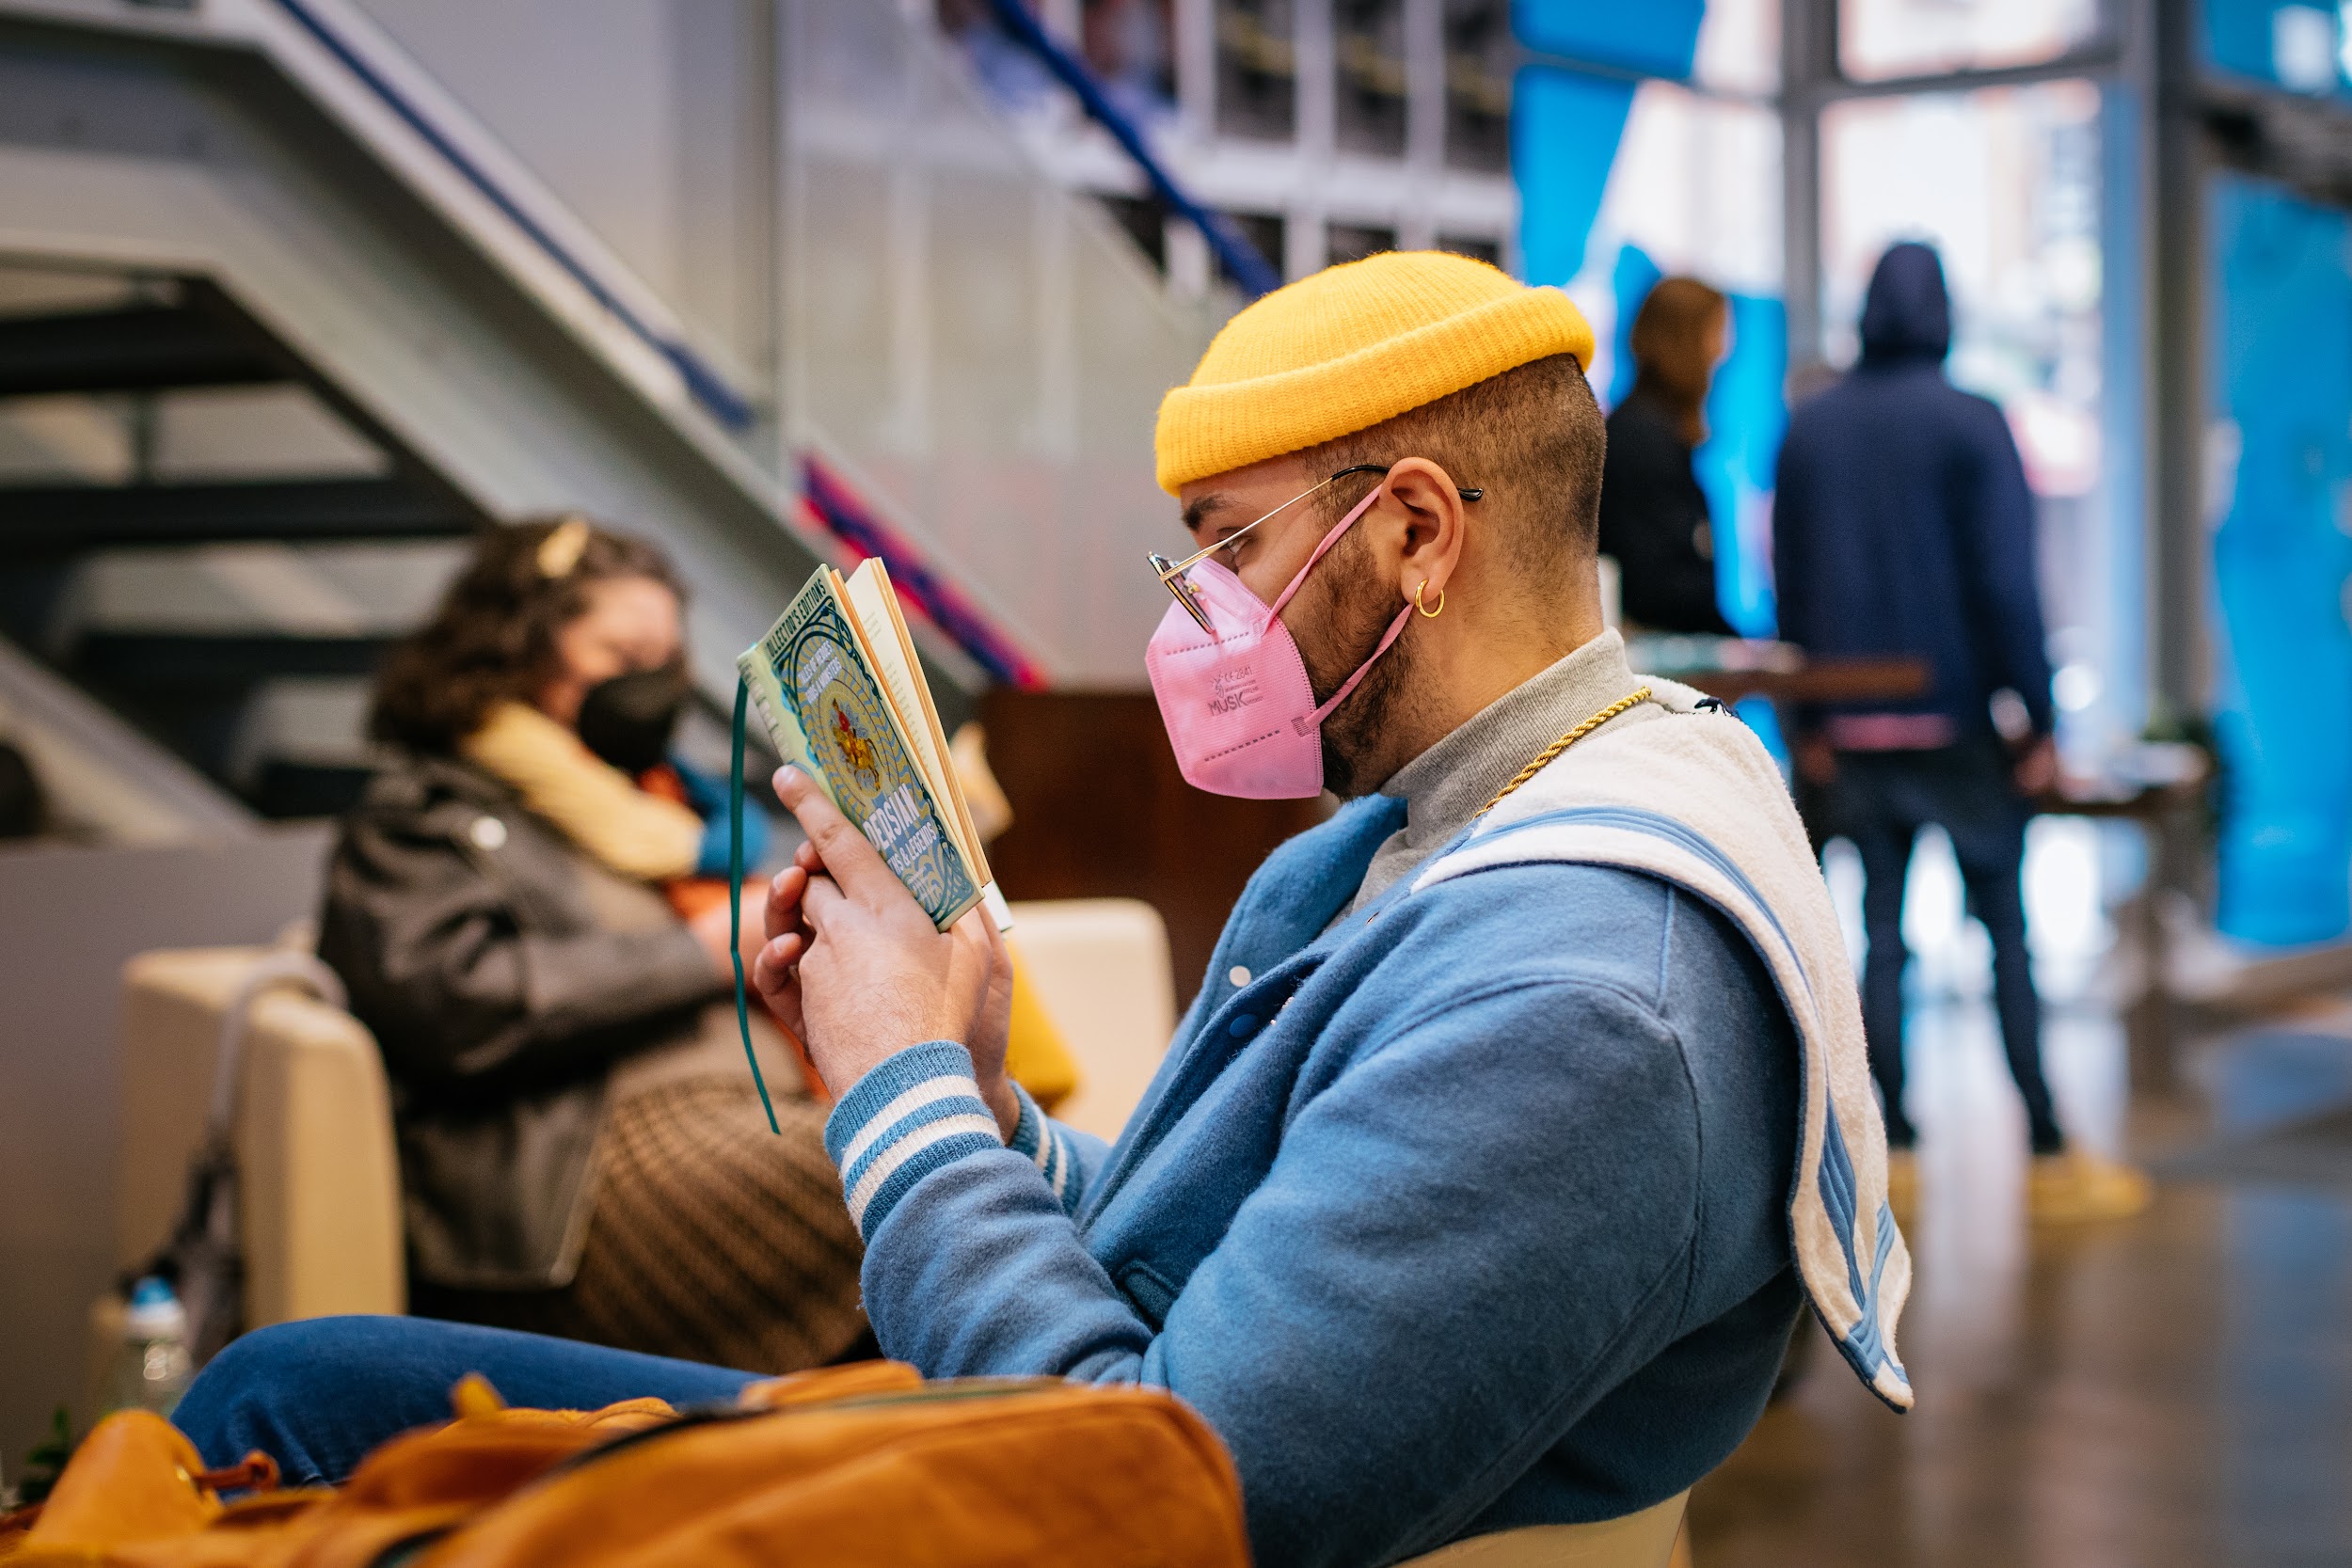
628	721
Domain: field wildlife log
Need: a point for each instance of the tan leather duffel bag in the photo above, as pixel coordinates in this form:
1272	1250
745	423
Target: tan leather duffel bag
848	1465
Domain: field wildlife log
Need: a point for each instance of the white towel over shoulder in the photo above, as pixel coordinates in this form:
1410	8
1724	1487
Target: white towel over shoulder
1697	801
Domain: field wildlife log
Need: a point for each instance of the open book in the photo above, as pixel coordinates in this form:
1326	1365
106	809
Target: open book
837	683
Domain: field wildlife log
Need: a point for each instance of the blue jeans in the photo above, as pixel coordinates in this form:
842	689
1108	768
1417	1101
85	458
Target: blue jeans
316	1396
1880	801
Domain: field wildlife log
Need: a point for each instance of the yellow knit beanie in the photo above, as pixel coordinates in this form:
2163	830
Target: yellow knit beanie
1351	346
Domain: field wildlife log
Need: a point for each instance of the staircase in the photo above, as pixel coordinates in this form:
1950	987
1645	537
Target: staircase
205	686
281	323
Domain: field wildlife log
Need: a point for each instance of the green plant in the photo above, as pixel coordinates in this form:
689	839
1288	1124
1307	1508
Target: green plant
47	1462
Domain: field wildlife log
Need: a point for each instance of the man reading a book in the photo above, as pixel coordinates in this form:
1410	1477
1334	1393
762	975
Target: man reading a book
1524	1103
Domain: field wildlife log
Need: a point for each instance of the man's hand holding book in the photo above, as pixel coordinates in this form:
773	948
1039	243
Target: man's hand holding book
854	966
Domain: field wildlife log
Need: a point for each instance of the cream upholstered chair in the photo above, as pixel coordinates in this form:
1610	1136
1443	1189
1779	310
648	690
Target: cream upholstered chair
1100	967
319	1180
319	1176
1650	1539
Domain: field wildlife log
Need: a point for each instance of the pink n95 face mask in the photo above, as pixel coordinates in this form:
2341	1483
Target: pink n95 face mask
1240	711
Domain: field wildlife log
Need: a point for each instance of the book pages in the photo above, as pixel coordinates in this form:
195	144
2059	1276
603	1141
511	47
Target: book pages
972	847
873	602
867	593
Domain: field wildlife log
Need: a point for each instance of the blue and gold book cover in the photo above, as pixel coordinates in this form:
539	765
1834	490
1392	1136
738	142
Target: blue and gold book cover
826	713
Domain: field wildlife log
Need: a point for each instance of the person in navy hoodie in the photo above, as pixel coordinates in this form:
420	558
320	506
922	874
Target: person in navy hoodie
1902	527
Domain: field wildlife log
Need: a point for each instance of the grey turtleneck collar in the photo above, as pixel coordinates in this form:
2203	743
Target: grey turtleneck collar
1448	784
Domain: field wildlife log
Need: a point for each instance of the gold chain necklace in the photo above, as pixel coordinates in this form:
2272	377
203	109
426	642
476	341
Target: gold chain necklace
1621	706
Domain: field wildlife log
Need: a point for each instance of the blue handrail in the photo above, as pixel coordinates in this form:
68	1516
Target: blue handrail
703	381
1241	259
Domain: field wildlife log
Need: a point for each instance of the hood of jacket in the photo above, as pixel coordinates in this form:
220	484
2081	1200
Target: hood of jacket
1907	315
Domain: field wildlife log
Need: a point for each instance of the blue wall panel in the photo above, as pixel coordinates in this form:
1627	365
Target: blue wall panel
1653	37
1564	127
1565	123
2283	377
2240	35
1630	280
1746	415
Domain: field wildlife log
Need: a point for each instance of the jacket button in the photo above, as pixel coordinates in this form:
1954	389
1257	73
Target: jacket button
1239	975
1241	1026
487	833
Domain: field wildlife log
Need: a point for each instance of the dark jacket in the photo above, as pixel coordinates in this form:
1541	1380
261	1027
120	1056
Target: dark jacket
1654	522
1902	525
502	974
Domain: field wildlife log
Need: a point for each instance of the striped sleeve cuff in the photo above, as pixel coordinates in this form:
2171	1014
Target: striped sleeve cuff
1046	1146
917	1110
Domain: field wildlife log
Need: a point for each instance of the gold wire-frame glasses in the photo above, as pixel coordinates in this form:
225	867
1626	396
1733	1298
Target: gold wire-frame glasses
1172	573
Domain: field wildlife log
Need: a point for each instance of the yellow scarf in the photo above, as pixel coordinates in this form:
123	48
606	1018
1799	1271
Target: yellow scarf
595	805
653	840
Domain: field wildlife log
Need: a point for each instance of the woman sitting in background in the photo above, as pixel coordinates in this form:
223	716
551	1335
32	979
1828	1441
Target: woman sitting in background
1654	519
582	1151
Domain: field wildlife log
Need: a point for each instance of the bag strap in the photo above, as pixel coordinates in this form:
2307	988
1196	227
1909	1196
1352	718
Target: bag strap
286	967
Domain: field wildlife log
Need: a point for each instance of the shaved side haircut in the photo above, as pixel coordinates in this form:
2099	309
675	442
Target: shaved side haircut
1531	439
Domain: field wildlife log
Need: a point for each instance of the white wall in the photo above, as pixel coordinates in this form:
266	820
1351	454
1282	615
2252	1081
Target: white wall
650	119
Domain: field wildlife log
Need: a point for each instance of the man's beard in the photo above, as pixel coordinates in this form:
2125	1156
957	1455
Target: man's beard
1339	634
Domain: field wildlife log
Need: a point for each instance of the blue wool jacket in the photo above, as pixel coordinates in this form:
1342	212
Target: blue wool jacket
1467	1213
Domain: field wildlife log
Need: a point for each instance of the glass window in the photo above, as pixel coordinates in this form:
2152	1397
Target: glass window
1488	251
2005	183
1696	184
1368	40
1268	231
1738	49
1131	45
1353	242
1480	55
1257	70
1145	220
1882	39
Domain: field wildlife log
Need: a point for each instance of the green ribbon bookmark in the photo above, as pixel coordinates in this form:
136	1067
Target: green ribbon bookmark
735	901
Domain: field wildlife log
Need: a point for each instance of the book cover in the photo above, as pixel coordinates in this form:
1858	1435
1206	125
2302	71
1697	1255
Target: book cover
827	715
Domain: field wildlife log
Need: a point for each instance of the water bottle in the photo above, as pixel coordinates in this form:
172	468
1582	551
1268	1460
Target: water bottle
153	1369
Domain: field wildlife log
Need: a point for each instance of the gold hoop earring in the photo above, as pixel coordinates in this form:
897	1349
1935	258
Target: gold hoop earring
1428	612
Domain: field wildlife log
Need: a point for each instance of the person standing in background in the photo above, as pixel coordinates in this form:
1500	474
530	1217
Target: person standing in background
1903	528
1654	518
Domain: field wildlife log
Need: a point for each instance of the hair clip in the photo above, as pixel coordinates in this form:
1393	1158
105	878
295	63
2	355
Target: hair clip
561	551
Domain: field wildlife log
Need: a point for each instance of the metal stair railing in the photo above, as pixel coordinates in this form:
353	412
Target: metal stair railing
1251	271
472	152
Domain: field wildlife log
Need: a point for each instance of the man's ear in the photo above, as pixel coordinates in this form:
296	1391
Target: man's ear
1434	522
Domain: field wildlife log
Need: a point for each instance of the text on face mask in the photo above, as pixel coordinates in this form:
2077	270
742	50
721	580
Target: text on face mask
1230	693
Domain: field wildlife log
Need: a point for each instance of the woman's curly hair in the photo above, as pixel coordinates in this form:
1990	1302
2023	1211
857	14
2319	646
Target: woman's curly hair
492	637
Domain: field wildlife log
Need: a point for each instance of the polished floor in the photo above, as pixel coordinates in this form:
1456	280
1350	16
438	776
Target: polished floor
2171	1390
